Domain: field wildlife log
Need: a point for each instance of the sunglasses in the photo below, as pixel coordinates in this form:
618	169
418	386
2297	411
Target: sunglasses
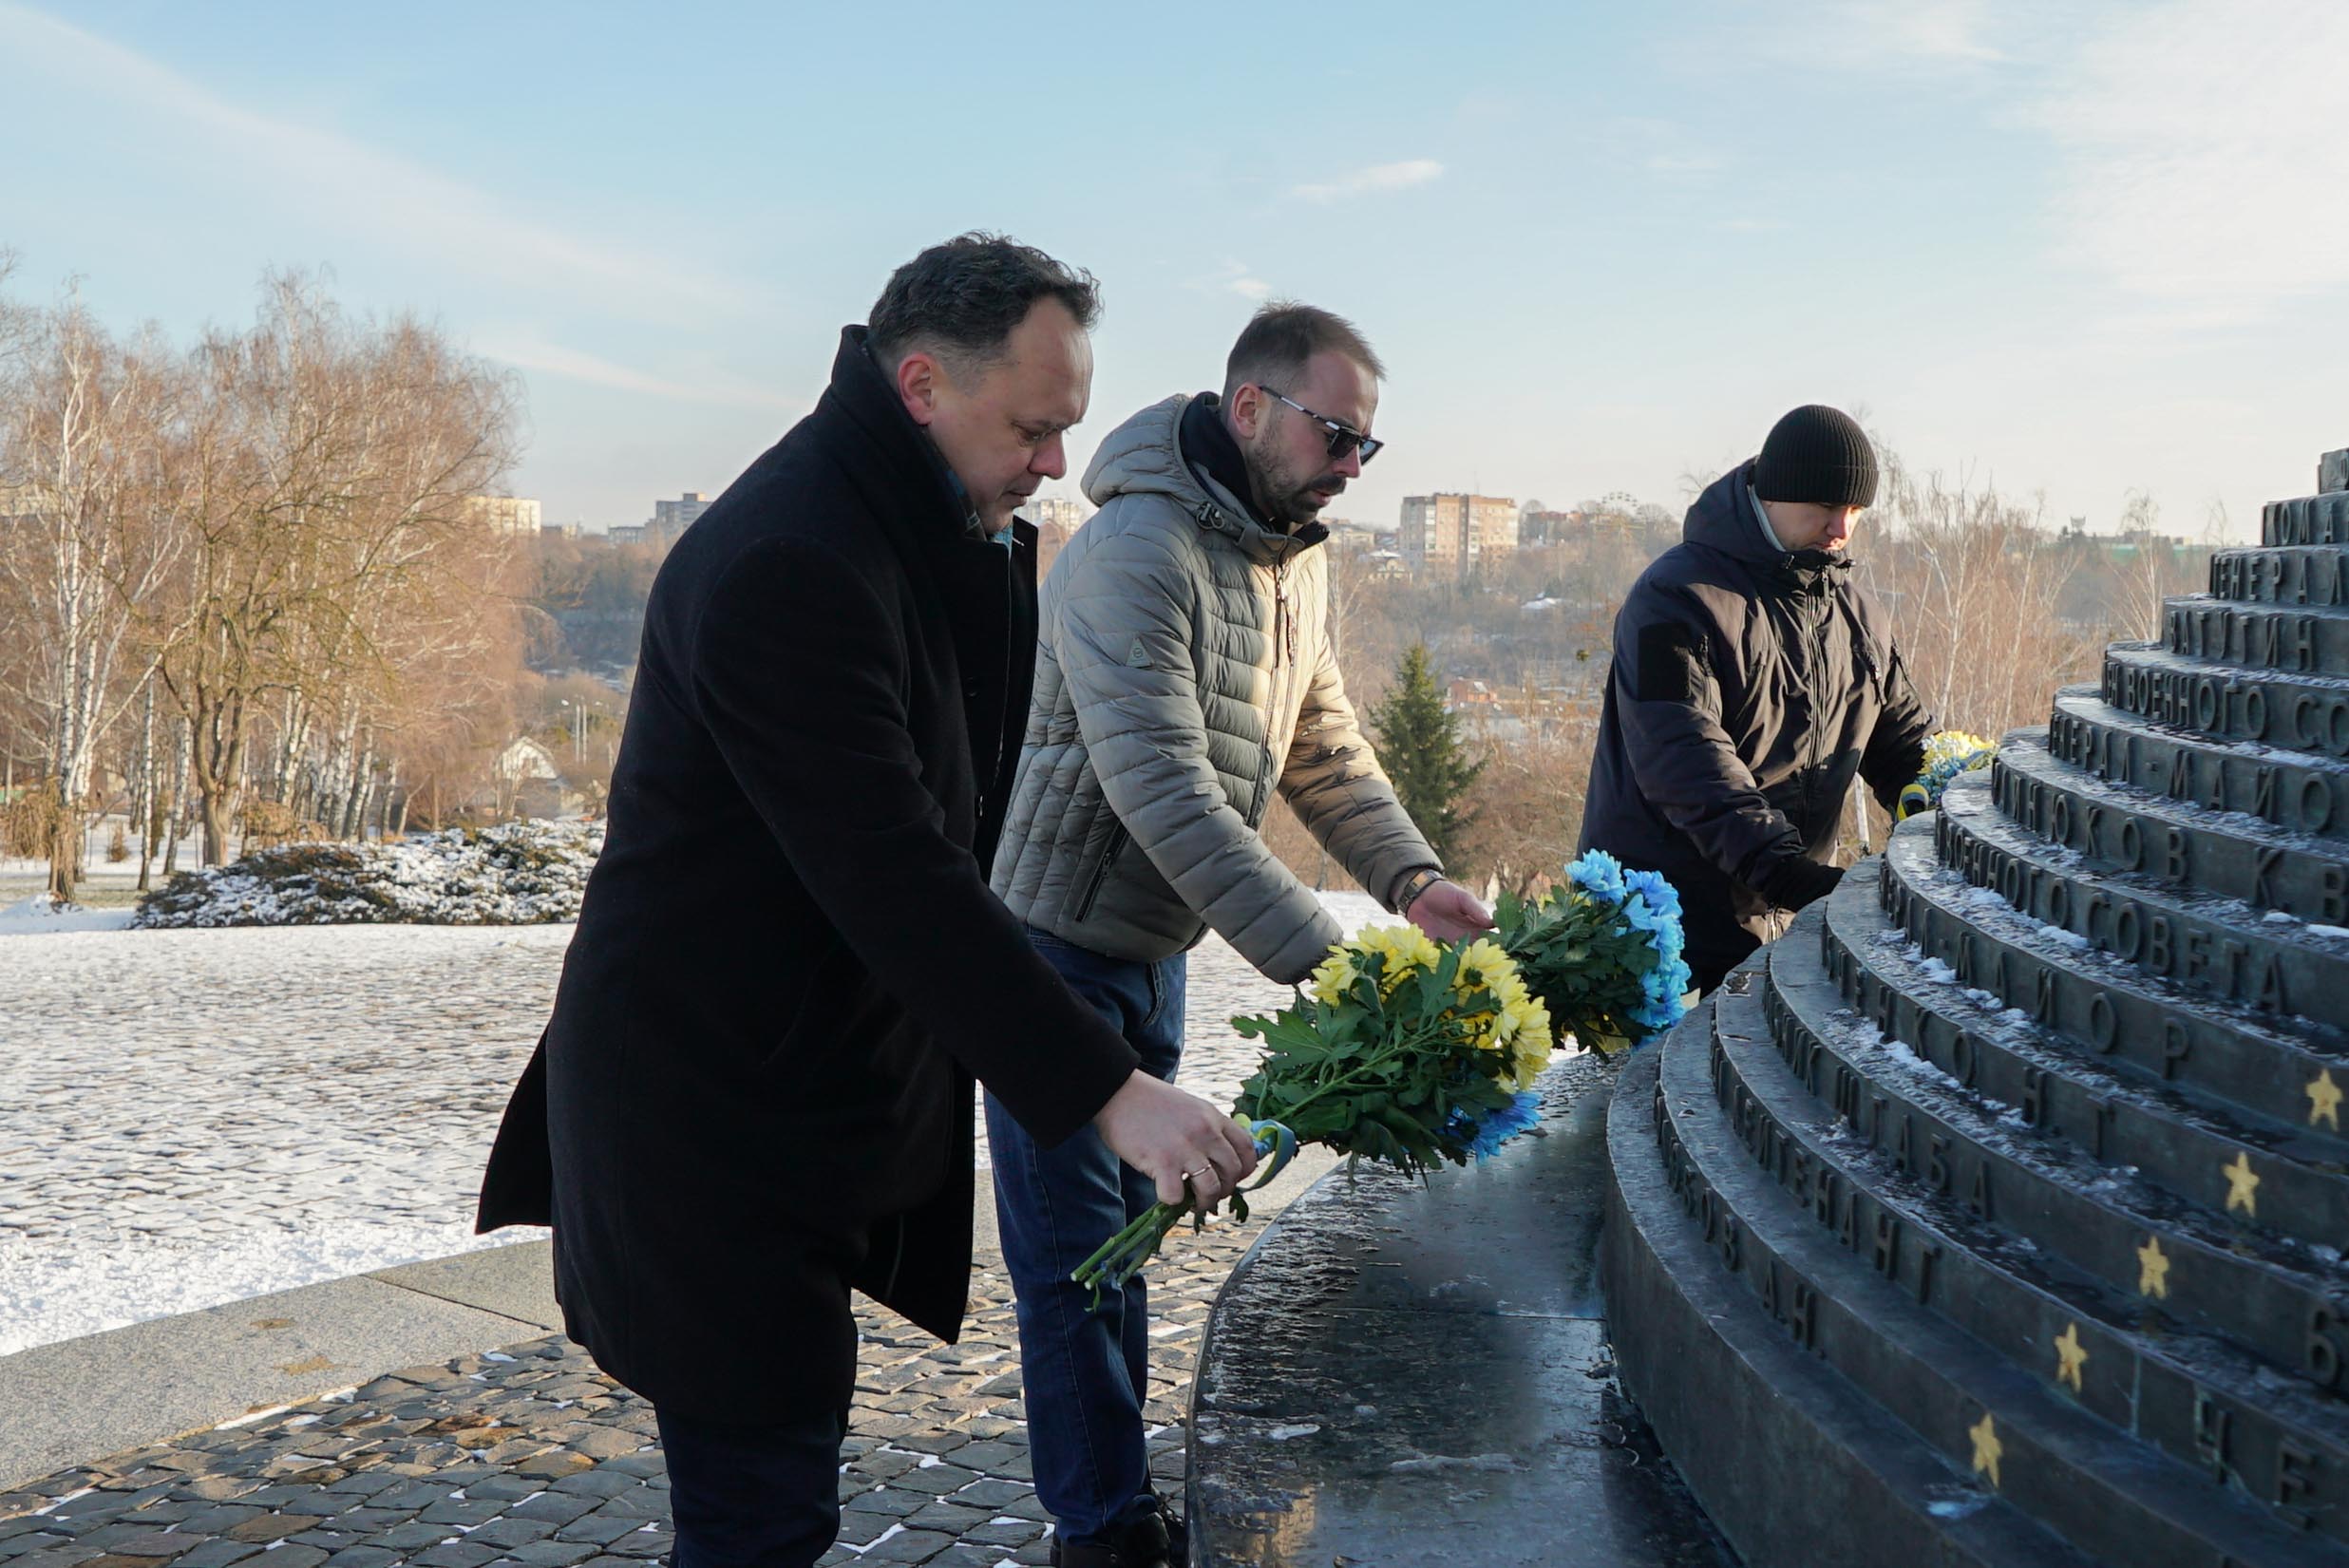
1343	437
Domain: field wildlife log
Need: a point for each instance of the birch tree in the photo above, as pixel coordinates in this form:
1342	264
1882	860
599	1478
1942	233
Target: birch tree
92	528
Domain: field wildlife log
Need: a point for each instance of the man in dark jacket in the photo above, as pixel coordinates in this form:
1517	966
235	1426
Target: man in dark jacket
756	1091
1751	681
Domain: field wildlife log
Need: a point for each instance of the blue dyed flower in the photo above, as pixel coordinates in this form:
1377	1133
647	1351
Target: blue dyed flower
1497	1127
1597	874
1654	890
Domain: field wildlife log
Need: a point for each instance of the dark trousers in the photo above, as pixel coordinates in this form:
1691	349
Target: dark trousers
764	1496
1085	1372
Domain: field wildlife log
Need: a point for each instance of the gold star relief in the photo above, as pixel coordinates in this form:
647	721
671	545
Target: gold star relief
2152	1269
1988	1449
2243	1185
2070	1356
2324	1100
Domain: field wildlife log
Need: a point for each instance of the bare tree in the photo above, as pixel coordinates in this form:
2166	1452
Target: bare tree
1973	581
2151	569
91	530
336	555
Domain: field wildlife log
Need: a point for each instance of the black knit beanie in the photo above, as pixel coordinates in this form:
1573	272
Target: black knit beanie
1819	455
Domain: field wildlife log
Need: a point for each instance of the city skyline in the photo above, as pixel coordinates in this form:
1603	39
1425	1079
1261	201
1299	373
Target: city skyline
2077	253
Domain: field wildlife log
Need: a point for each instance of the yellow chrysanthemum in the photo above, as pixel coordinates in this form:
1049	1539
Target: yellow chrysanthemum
1529	1047
1521	1026
1405	950
1334	975
1408	951
1484	968
1949	745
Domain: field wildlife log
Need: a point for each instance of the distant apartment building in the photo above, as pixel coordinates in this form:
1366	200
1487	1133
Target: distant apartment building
560	531
672	517
1066	513
503	513
1358	538
1056	519
1457	534
626	533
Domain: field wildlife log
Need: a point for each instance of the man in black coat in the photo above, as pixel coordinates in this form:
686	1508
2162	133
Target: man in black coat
1751	681
756	1090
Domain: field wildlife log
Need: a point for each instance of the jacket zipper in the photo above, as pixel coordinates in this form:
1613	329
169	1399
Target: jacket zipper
1283	627
1110	853
1818	662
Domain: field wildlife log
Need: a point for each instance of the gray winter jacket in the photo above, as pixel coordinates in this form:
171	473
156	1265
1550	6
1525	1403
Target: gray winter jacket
1184	672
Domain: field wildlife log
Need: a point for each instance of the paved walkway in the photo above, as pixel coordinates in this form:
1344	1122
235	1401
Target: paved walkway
194	1118
529	1456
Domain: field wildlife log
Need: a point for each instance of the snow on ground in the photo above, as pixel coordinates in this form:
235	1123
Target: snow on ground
37	916
194	1117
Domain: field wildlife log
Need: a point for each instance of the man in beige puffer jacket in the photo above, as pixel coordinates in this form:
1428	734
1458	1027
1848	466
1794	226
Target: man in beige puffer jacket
1183	674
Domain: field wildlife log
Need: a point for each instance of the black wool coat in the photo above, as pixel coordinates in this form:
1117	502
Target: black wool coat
757	1079
1749	686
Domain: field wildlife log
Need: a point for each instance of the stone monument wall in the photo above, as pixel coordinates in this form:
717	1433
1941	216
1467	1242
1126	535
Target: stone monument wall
1996	1214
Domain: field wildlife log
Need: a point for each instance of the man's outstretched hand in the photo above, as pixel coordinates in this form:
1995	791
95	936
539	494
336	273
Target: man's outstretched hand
1169	1134
1447	910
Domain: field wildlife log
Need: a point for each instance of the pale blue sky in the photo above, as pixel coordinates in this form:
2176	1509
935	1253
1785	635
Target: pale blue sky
2076	248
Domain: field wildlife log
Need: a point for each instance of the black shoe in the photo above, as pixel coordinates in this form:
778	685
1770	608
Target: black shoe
1152	1539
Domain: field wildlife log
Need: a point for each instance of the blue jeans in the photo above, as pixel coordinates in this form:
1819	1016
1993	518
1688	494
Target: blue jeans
1085	1373
763	1496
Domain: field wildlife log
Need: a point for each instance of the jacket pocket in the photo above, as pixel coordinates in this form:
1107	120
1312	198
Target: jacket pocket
1113	847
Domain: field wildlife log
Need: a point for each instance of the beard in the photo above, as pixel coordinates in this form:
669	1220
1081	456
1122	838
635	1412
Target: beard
1287	496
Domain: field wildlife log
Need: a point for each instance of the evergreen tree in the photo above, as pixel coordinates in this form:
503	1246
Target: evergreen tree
1419	745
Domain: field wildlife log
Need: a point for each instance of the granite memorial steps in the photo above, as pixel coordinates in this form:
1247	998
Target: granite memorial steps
1799	1462
2291	791
2138	1239
2289	711
2120	828
2282	574
2118	1116
2107	1495
2226	1055
2300	639
2214	947
2027	1305
2322	519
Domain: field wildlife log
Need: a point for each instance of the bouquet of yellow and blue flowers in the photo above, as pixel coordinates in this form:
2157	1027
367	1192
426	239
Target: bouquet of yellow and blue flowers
1946	755
1407	1051
1602	951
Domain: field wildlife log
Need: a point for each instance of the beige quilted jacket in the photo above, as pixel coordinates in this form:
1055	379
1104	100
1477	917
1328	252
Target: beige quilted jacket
1184	672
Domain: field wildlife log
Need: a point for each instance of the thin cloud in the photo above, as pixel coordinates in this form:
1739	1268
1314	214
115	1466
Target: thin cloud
1945	30
386	200
527	354
2205	149
1377	178
1659	147
1234	277
1877	34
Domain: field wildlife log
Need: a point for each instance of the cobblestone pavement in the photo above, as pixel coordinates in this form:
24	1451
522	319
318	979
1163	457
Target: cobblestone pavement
530	1456
192	1117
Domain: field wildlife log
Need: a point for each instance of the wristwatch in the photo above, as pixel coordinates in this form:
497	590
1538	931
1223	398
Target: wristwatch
1414	885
